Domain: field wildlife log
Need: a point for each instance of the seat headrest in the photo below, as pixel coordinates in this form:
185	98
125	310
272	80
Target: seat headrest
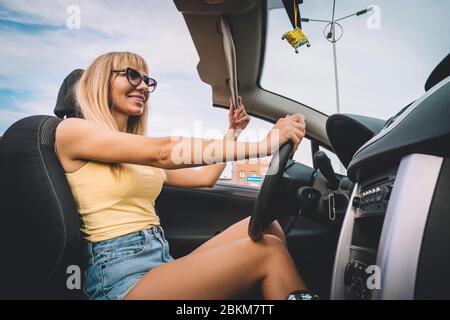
66	103
439	73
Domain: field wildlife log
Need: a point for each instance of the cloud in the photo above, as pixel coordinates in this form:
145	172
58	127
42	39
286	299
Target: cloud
38	51
380	71
42	58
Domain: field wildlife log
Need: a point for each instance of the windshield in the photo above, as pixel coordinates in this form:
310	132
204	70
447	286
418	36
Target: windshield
383	57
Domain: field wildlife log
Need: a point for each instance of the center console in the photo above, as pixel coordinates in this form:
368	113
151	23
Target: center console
381	237
395	240
370	205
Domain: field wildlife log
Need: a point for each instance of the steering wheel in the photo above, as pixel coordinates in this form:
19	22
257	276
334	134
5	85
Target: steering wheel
264	211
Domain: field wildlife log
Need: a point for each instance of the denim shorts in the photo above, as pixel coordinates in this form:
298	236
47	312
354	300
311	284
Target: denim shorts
114	266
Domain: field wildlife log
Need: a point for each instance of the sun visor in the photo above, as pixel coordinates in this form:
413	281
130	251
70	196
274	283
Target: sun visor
230	58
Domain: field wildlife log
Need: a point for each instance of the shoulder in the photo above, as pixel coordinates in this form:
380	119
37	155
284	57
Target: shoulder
70	132
72	125
66	133
73	130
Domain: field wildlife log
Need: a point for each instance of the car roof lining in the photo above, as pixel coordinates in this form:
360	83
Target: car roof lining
246	20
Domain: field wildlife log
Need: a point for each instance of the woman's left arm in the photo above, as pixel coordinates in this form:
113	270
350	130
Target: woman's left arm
207	176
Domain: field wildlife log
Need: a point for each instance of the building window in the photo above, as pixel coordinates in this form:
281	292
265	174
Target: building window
253	173
242	174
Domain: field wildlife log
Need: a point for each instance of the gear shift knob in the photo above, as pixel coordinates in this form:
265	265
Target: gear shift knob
325	167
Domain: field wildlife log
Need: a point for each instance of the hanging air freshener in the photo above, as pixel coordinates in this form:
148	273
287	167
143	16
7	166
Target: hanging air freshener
296	38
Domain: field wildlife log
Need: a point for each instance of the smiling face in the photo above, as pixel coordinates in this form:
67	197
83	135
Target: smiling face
125	98
106	98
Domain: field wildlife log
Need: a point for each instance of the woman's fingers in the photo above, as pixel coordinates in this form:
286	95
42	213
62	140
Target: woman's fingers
299	126
298	134
295	140
232	109
297	117
243	119
297	121
240	112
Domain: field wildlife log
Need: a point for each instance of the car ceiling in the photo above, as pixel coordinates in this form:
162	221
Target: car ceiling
247	23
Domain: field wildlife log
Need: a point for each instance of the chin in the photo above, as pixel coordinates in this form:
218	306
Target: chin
139	113
135	110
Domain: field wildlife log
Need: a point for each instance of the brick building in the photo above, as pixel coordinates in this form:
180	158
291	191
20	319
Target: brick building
250	172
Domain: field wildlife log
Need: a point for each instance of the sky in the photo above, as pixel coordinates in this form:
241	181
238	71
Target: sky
39	50
380	70
383	58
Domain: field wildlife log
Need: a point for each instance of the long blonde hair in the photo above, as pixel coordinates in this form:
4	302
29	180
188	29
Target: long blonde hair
93	93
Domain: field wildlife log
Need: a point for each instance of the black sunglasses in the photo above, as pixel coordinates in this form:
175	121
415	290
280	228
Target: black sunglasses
135	78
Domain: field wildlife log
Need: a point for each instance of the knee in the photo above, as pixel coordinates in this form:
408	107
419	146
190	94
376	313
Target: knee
271	248
275	229
272	243
267	251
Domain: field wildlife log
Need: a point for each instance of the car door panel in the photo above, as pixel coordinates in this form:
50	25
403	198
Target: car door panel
191	216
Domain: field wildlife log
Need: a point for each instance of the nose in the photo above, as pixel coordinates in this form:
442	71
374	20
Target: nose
142	87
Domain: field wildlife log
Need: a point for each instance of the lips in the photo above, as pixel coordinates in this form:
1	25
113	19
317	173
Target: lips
137	97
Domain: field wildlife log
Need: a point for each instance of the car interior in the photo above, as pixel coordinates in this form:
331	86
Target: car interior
390	210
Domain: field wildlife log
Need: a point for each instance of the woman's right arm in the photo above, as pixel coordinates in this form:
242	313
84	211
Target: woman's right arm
79	139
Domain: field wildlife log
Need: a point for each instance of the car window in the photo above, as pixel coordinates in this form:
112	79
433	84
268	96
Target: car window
383	57
251	172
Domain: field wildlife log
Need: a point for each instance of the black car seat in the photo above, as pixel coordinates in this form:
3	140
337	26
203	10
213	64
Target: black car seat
40	228
40	239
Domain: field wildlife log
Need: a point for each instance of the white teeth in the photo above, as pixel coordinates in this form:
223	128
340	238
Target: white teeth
138	99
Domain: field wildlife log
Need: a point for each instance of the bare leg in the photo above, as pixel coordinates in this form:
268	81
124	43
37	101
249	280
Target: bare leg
237	231
223	272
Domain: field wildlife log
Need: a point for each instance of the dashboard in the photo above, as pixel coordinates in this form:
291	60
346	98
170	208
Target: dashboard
395	239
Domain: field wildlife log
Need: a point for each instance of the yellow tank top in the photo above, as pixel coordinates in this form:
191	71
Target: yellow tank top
112	207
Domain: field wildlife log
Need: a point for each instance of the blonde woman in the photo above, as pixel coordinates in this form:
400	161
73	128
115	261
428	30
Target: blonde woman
116	172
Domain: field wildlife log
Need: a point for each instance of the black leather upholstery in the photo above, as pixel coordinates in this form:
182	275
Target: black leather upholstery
40	226
65	103
348	132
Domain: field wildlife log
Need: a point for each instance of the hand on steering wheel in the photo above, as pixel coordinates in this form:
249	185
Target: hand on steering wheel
290	128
